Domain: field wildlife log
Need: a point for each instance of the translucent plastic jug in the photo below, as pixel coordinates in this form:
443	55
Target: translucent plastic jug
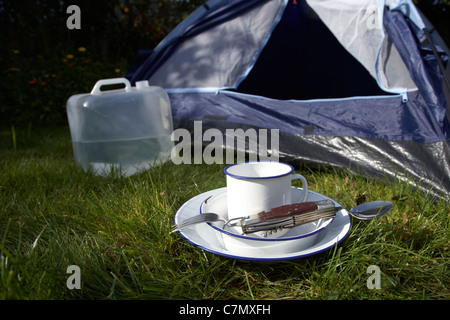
121	131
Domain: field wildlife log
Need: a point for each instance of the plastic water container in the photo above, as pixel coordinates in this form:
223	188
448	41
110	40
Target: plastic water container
121	131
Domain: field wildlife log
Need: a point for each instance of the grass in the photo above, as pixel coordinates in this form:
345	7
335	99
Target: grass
53	215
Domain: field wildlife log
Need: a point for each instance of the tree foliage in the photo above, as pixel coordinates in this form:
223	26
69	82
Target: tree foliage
42	62
113	29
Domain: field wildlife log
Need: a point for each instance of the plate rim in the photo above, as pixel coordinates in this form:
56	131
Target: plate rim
344	231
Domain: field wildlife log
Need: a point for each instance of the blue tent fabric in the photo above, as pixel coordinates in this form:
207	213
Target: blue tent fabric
425	73
386	117
395	141
206	17
328	109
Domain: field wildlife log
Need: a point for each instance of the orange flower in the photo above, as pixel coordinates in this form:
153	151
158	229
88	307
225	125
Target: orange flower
70	56
43	83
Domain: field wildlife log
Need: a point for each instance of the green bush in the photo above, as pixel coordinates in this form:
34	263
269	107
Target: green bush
36	90
43	63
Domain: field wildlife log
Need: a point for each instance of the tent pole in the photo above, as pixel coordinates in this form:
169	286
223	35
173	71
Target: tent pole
438	58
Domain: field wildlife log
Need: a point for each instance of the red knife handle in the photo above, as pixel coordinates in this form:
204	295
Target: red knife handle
288	210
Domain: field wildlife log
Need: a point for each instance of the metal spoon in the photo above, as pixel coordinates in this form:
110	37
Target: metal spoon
371	210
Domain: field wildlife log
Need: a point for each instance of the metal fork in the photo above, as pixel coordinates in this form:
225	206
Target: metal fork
204	217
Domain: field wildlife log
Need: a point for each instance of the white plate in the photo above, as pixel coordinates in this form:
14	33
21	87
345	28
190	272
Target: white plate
209	239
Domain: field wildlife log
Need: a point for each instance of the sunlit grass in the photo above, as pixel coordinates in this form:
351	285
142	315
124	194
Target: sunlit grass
53	215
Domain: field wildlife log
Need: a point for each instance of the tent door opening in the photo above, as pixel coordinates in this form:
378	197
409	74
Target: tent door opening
303	60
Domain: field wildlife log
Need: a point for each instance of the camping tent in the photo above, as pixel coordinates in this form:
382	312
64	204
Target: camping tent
357	84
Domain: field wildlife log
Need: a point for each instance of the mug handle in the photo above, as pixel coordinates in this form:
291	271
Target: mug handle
304	196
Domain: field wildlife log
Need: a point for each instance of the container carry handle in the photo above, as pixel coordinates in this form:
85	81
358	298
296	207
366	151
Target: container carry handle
96	90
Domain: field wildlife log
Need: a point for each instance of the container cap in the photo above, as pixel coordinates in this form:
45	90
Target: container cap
142	84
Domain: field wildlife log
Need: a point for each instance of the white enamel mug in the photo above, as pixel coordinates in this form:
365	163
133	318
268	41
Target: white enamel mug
257	186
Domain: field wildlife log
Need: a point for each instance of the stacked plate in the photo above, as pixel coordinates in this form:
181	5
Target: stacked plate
298	242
